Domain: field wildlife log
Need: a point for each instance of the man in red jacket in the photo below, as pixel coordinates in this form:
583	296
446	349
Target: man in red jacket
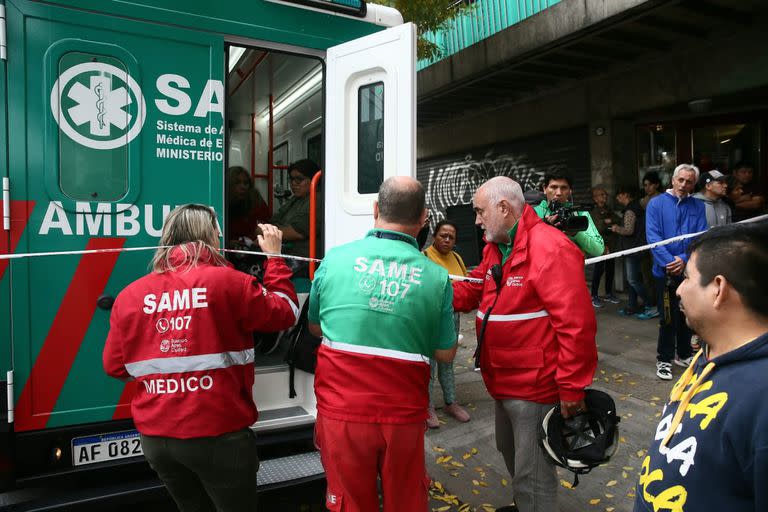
536	332
184	332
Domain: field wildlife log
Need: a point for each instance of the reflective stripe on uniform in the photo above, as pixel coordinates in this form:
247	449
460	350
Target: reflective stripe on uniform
514	318
294	307
375	351
182	364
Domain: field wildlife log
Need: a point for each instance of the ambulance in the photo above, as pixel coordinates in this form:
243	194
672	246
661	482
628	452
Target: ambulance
113	113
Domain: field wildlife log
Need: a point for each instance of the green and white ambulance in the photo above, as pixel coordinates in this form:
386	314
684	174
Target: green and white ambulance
115	112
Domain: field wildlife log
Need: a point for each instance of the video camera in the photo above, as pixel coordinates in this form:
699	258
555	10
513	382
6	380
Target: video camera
567	218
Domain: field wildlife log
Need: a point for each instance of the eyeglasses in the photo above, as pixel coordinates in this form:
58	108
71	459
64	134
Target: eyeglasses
446	236
297	179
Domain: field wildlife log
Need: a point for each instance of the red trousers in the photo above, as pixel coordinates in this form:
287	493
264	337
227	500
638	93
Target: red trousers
355	454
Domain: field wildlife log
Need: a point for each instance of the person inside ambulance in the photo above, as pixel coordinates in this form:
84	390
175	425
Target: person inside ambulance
184	332
293	217
245	207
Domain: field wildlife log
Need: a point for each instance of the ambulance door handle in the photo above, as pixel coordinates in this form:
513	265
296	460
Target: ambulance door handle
105	302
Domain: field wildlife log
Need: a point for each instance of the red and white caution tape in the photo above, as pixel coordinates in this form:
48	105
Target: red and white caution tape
70	253
641	248
135	249
589	261
257	253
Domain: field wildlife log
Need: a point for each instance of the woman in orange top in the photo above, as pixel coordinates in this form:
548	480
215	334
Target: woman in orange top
441	252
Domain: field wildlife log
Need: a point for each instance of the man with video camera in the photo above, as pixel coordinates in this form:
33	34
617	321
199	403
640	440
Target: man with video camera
558	210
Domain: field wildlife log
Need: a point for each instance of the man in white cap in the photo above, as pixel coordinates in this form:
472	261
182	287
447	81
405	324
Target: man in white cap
713	187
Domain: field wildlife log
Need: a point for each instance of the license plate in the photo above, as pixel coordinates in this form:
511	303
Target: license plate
104	447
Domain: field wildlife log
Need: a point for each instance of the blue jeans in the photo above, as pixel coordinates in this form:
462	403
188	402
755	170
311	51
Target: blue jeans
673	331
635	280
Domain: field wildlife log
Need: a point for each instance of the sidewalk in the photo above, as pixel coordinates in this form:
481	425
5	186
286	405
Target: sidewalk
475	478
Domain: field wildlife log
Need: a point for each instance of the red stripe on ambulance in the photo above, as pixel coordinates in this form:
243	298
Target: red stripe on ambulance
20	213
63	341
123	409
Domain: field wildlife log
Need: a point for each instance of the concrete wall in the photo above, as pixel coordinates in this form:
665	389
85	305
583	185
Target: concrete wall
653	89
560	21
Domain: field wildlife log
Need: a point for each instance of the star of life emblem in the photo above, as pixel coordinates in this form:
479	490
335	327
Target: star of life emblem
104	97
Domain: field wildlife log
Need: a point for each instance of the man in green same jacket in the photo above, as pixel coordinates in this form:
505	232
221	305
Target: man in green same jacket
557	186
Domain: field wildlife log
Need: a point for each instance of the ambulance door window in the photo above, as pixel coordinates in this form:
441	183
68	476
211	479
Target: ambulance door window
93	164
370	141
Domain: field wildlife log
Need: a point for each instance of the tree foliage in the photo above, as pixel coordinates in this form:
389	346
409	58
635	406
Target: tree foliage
428	16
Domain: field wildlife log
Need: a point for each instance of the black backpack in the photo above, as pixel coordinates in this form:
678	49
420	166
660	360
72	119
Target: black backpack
302	350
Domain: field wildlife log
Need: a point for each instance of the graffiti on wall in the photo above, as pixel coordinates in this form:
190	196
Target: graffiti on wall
455	182
452	180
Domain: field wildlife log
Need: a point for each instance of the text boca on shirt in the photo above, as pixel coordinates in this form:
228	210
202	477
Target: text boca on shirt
176	300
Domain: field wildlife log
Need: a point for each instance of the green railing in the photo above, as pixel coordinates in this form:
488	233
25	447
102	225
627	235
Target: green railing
482	20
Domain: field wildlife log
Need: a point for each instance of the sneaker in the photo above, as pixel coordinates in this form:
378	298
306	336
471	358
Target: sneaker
612	299
627	312
685	363
457	412
664	370
648	313
432	421
596	302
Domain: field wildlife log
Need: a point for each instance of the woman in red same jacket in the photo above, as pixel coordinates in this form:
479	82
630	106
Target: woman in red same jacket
184	333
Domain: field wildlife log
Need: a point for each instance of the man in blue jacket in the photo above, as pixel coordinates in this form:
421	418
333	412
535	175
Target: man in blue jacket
668	215
710	449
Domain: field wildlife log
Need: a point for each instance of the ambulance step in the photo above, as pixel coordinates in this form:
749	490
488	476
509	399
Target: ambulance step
285	412
291	470
274	420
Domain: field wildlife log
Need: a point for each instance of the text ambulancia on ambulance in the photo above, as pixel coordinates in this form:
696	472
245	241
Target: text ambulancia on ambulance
121	113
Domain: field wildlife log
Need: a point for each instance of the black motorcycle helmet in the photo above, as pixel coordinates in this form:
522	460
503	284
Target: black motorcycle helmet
585	440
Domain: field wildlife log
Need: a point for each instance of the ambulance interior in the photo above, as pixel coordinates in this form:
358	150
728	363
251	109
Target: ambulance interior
274	112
